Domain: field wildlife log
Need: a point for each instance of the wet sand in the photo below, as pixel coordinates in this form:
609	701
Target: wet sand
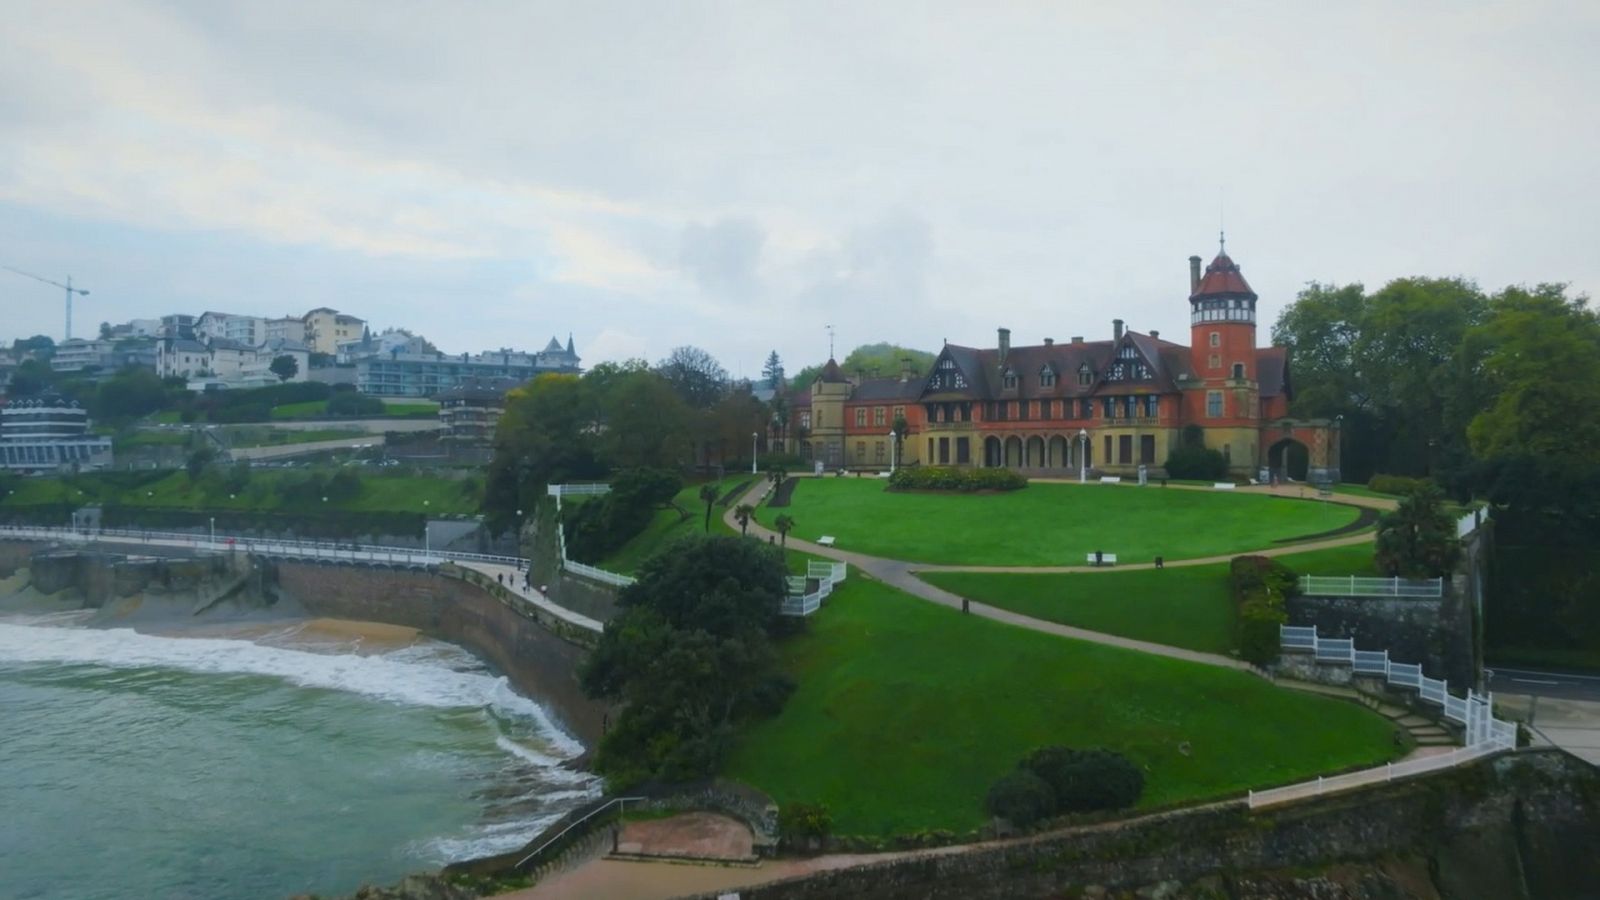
343	635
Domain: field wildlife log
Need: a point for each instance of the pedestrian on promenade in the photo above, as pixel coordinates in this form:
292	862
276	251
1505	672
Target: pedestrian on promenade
966	605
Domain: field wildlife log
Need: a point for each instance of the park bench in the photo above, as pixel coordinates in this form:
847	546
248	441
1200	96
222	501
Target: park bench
1106	559
1110	479
1223	486
825	541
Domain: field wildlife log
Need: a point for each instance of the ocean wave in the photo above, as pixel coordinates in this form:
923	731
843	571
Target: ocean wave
382	677
484	840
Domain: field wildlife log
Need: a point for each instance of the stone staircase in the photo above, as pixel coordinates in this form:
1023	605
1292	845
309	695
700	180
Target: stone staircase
1424	732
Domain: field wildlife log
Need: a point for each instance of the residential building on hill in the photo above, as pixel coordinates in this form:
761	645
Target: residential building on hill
398	374
286	328
326	329
247	330
470	410
1063	408
47	433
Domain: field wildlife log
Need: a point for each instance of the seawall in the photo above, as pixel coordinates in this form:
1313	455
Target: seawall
1517	827
541	664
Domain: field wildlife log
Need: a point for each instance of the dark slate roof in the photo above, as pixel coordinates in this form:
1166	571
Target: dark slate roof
186	345
1223	278
888	389
1272	372
832	374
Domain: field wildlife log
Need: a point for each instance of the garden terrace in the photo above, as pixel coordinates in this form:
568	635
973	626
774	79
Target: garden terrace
1050	523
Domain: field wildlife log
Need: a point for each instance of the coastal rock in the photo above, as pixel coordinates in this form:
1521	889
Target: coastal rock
411	887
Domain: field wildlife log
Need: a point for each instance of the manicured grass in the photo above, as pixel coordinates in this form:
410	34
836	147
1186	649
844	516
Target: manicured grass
312	409
668	526
1184	606
380	493
1049	524
906	712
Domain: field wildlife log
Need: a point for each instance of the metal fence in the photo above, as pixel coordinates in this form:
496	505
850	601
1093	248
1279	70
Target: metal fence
577	490
577	568
1352	586
800	602
332	550
1484	734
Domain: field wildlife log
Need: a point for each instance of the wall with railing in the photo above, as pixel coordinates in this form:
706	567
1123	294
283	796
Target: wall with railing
803	602
577	568
1353	586
1483	733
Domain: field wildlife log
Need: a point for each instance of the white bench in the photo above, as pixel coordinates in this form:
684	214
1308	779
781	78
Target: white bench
1223	486
1110	479
1106	559
825	541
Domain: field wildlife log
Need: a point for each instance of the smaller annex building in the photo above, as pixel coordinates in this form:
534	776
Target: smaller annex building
1062	409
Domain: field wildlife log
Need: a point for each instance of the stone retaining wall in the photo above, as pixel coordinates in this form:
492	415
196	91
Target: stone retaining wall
1517	827
541	664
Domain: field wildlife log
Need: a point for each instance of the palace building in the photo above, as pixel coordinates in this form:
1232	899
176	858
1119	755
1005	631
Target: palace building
1064	408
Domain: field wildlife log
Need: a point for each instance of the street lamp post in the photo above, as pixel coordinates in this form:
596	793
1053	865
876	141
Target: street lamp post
213	529
893	436
1083	456
753	436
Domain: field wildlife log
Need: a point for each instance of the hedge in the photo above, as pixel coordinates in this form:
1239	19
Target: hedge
1260	587
938	478
1395	484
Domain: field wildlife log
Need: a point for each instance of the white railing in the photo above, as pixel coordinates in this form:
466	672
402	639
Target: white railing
577	490
1353	586
1484	734
1470	522
349	552
577	568
799	602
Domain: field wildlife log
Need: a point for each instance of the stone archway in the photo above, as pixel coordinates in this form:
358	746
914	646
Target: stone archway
1289	459
1059	453
993	454
1035	452
1014	452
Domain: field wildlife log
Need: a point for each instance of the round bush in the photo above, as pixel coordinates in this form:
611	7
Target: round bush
1087	780
1021	797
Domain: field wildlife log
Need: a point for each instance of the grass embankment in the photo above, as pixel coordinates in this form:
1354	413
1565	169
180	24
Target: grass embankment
906	712
318	409
1185	606
669	525
1049	524
380	492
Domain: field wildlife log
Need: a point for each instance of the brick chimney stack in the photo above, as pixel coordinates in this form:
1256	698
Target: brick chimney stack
1005	343
1116	329
1194	274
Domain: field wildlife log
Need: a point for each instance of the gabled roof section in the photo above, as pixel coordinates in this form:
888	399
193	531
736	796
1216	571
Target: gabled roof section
887	389
1223	278
1272	372
832	374
952	361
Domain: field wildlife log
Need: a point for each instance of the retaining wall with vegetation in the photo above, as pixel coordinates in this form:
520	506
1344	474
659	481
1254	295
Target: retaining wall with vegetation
1516	827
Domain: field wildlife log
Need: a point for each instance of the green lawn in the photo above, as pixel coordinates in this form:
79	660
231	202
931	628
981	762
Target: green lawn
1185	606
1048	524
168	438
380	493
669	526
313	409
906	712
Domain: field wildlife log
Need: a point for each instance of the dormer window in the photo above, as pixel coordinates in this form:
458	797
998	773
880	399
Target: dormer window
1085	375
1047	377
1010	379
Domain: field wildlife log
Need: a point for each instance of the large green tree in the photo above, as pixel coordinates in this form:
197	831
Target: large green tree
689	655
881	360
1418	539
546	435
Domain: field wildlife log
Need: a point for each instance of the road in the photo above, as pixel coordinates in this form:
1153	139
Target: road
1537	683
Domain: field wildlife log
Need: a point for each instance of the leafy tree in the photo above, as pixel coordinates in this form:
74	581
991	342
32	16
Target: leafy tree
285	367
238	477
40	345
1021	798
196	465
1418	539
1087	780
784	524
695	374
708	493
647	424
105	331
689	655
881	358
1190	458
601	526
30	378
743	512
130	394
546	435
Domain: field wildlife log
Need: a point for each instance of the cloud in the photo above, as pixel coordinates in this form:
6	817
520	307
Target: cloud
724	257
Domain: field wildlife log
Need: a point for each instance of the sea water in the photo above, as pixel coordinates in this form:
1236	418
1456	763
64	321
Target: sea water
143	766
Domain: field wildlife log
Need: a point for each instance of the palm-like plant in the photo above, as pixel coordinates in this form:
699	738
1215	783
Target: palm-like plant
784	524
743	512
708	493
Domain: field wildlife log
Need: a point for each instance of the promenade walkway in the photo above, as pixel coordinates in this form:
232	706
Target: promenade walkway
903	575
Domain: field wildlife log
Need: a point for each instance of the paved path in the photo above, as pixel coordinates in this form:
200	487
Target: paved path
903	575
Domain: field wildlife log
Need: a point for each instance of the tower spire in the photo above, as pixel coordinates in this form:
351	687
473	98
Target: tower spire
1222	243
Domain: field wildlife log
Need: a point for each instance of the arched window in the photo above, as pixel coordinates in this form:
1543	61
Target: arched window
1238	371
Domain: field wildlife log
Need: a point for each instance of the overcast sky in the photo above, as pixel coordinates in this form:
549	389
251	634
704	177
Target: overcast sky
741	175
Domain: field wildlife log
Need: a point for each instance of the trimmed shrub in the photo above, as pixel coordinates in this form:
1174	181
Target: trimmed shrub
804	821
1395	484
1196	463
943	478
1087	780
1260	587
1021	798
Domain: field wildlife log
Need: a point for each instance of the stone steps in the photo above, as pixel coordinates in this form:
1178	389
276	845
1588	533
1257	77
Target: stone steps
1424	732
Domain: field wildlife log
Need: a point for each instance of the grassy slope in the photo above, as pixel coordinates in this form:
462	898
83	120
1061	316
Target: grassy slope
1048	524
907	712
312	409
669	526
380	493
1187	606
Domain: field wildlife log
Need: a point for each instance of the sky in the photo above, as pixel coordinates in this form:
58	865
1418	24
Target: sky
741	176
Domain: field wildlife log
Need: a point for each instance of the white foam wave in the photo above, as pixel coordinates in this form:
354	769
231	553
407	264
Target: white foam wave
550	767
389	679
486	840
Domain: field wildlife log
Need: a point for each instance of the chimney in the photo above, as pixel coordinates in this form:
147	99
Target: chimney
1077	339
1116	329
1049	342
1155	335
1194	275
905	368
1005	343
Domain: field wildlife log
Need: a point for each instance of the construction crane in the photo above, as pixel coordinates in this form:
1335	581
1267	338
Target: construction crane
68	287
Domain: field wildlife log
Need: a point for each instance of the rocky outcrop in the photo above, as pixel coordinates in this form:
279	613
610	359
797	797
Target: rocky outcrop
412	887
